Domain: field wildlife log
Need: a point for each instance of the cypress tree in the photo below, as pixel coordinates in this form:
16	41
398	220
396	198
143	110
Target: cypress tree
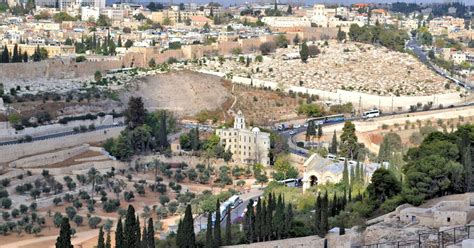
119	235
324	215
350	194
5	55
279	218
187	234
217	226
25	57
345	174
334	144
288	220
16	55
150	234
357	172
258	220
304	52
263	219
334	205
100	241
108	243
317	216
209	239
320	131
64	238
342	229
179	235
130	231
228	228
119	42
352	176
268	220
138	233
249	223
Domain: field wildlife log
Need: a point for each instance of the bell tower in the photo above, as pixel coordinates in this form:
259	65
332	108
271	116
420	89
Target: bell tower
239	121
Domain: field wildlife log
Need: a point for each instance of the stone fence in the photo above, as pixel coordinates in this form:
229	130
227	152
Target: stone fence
12	152
82	168
8	133
386	103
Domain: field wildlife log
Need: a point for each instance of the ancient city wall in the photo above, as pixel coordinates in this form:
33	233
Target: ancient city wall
12	152
54	68
48	158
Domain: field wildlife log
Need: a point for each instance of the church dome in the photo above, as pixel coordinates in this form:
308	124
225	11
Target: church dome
256	130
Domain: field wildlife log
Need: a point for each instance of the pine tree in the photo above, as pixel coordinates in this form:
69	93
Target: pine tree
150	234
209	239
228	228
100	241
345	175
64	238
108	243
334	144
130	231
217	226
119	242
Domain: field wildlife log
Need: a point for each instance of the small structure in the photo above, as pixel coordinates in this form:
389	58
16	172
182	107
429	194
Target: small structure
248	146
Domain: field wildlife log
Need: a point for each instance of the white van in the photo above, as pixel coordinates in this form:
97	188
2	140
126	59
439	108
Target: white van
331	156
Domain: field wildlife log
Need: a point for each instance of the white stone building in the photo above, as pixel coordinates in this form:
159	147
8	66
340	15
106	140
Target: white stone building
248	146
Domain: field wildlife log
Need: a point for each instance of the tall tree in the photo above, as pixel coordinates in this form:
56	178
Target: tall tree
258	220
317	215
150	234
249	223
228	228
162	135
119	242
304	52
209	238
217	226
186	230
324	215
100	241
108	243
64	238
320	131
119	43
130	231
16	55
135	113
334	144
5	55
279	218
288	220
345	174
349	143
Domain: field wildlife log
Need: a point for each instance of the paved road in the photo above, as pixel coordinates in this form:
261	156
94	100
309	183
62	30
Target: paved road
413	45
200	222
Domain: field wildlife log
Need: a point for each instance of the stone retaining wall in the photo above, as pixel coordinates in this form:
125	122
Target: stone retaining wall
48	158
12	152
83	167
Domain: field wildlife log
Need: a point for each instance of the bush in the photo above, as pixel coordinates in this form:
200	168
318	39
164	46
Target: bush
267	47
80	59
94	222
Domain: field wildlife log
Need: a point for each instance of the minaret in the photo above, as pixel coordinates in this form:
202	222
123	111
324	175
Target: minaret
239	121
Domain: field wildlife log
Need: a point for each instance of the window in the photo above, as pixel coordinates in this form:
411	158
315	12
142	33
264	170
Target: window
449	219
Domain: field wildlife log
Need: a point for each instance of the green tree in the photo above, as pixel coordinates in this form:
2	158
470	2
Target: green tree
281	41
341	35
100	241
333	148
345	174
348	145
228	228
186	230
131	239
383	185
135	113
5	55
64	238
304	52
249	223
217	226
209	238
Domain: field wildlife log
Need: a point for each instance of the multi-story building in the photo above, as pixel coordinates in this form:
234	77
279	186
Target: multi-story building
248	146
286	21
174	16
64	4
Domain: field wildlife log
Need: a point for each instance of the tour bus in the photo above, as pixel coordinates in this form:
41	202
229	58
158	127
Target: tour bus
371	113
222	210
326	119
291	182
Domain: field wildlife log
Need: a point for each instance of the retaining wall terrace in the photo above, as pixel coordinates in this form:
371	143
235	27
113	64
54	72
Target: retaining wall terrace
48	158
82	168
12	152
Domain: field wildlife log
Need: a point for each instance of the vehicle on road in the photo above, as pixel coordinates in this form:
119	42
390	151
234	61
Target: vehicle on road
371	113
326	119
292	182
234	201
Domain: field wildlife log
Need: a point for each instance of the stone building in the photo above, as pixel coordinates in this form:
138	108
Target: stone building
248	146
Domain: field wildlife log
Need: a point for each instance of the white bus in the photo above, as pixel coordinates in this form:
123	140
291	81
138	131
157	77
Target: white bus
234	201
371	113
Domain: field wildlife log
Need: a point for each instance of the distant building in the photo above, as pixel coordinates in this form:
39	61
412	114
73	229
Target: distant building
286	21
248	146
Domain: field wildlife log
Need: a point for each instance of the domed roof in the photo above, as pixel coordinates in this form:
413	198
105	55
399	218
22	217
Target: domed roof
256	130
